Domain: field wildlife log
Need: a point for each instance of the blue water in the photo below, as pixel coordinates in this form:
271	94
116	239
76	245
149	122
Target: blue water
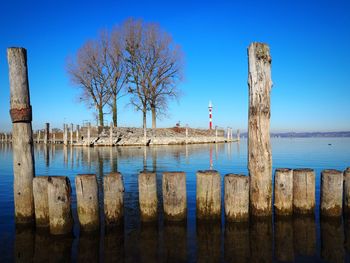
191	243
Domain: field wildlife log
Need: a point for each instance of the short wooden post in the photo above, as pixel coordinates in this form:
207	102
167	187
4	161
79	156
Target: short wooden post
148	196
41	201
174	196
236	197
304	191
47	133
113	188
283	192
23	152
259	147
208	195
77	133
88	134
87	201
347	191
38	136
60	213
71	133
331	193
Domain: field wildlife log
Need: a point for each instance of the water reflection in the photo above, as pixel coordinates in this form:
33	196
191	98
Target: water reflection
261	240
332	240
304	235
284	242
236	242
174	242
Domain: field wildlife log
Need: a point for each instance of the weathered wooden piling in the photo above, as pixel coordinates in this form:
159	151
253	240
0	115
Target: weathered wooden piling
41	201
283	201
65	134
59	199
148	196
87	201
113	188
47	133
331	193
71	133
236	197
111	134
77	133
174	196
88	134
21	116
347	191
208	195
304	191
259	147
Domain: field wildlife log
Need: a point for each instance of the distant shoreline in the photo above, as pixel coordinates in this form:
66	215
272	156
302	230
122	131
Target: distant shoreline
342	134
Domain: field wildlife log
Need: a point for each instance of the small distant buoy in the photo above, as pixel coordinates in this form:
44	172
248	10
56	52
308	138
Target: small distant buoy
329	144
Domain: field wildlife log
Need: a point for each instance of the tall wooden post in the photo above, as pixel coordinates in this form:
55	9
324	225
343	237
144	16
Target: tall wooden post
23	153
259	148
47	133
89	134
111	134
77	133
71	134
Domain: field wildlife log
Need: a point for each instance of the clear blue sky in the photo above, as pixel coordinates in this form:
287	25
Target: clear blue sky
309	43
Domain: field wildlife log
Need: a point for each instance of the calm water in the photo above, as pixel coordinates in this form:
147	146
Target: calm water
297	239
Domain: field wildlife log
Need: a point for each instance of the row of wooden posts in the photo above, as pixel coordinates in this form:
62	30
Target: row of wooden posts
5	137
294	194
259	153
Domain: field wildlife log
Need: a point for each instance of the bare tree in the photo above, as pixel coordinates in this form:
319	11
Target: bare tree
117	69
155	67
88	71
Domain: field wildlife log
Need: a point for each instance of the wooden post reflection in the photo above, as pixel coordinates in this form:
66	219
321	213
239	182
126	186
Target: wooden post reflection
261	239
332	240
148	242
304	235
88	249
236	242
114	245
284	246
24	244
208	241
174	242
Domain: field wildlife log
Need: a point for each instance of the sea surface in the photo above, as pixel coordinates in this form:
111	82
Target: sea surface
273	240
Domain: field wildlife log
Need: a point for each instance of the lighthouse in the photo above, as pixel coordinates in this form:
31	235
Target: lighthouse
210	115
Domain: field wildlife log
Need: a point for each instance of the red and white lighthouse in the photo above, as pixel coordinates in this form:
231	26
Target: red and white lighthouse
210	116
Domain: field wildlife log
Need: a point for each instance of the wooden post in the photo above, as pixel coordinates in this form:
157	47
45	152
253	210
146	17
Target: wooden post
208	195
259	148
331	193
47	133
71	133
41	202
174	196
6	137
236	197
87	201
148	196
111	134
23	153
65	134
77	133
38	136
283	192
113	187
60	213
347	191
88	134
304	191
